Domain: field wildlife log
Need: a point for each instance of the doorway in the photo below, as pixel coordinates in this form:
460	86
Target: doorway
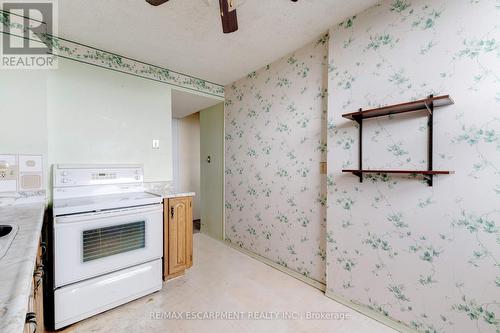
212	171
198	157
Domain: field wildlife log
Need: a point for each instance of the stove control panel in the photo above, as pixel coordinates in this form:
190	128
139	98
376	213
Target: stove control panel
103	175
85	175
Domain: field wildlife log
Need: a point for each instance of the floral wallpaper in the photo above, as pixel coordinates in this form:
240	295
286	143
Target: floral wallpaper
75	51
275	140
425	256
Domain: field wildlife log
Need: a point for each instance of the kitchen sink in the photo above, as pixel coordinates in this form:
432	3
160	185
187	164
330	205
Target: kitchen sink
7	234
5	230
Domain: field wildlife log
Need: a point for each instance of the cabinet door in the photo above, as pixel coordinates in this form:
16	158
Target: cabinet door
179	240
38	288
189	234
34	315
166	219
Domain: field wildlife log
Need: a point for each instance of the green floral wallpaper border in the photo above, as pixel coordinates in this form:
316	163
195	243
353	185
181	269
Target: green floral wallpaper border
68	49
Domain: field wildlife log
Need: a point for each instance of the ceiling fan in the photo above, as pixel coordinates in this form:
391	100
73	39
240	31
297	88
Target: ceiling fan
227	14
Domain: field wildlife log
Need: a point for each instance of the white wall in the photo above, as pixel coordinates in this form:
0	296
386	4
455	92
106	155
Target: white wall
84	114
175	152
23	117
101	116
188	158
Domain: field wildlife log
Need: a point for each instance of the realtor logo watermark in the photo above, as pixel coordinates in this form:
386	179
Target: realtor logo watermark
255	315
26	26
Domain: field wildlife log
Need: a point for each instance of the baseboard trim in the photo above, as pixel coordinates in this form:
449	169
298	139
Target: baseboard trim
363	309
288	271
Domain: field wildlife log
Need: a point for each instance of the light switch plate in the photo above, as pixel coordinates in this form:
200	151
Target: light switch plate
156	144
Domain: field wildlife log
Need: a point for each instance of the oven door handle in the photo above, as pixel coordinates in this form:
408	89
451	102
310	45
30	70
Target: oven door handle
88	217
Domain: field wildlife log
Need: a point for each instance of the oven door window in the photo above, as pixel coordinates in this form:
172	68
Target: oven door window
112	240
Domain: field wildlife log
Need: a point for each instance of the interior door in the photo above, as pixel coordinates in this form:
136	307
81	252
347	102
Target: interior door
212	171
179	235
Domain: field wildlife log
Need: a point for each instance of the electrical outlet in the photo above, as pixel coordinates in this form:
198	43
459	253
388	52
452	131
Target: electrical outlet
156	144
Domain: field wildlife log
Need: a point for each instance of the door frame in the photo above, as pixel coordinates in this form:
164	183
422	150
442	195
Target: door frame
222	227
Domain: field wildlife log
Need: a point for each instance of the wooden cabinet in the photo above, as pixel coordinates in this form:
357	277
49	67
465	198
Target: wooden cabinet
178	236
34	316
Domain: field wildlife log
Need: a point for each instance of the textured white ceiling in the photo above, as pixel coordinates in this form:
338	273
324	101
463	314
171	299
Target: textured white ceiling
185	103
186	35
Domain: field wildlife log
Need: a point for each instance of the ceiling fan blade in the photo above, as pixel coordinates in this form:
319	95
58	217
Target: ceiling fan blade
156	2
228	16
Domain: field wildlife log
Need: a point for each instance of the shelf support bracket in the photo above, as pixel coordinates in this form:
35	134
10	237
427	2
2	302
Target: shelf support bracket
359	120
428	108
430	144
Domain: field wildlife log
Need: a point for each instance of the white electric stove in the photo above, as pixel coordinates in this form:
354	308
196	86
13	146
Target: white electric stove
104	202
108	241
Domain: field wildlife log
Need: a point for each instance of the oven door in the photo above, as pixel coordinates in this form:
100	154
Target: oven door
93	244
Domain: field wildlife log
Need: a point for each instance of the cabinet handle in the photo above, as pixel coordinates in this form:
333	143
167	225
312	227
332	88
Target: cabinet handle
31	320
39	271
172	212
38	278
43	245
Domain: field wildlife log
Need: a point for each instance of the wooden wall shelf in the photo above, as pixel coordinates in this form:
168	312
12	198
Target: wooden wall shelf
417	172
422	104
428	104
360	173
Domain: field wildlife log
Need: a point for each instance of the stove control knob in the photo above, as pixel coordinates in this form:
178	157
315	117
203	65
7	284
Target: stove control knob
64	173
64	180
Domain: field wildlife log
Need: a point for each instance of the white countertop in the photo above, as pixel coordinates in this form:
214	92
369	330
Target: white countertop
167	190
176	194
18	264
